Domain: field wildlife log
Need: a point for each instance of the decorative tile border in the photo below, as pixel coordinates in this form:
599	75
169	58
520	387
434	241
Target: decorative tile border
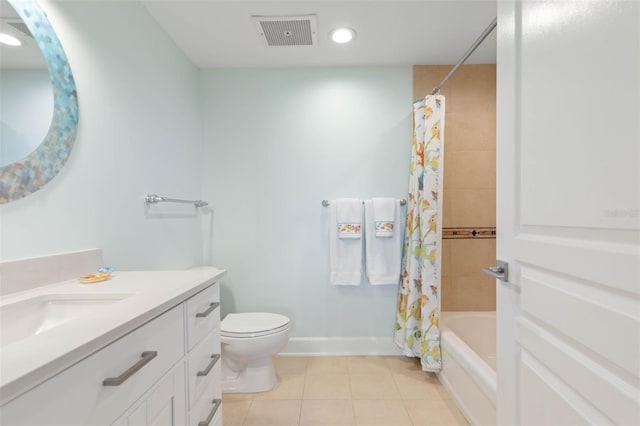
468	233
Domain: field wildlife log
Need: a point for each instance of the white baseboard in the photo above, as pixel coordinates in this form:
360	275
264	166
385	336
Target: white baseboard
299	346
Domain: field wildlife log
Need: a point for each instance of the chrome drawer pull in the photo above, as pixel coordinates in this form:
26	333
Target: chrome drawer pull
212	307
216	404
214	359
117	381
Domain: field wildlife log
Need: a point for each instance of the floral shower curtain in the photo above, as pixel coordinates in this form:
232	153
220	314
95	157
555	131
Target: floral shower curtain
417	330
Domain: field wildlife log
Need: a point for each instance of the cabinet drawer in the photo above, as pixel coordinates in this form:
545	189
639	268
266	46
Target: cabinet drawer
203	314
204	407
204	362
77	396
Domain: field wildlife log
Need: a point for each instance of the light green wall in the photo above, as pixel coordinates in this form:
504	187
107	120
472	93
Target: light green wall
264	147
277	142
139	132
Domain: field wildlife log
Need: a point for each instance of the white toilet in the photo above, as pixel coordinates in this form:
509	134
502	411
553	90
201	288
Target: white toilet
249	342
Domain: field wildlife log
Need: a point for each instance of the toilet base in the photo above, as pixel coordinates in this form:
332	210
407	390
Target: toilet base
258	375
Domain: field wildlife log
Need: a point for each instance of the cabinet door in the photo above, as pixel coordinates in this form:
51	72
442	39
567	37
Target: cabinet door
163	405
82	386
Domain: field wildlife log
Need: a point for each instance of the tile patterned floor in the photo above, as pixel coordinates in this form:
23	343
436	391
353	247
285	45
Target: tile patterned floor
337	391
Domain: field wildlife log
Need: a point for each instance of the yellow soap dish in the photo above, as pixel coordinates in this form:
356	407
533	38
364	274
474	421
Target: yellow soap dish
94	278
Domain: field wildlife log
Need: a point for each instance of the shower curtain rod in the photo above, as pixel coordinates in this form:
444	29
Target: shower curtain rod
466	55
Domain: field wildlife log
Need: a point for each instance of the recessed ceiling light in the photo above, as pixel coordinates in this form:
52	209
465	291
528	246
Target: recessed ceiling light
342	35
9	40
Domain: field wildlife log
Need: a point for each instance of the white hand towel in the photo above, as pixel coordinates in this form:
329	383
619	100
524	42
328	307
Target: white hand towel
383	255
384	216
349	217
345	254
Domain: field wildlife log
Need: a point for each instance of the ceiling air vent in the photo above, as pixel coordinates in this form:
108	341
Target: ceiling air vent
287	30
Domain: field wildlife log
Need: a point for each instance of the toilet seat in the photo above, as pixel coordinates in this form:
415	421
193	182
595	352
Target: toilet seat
253	324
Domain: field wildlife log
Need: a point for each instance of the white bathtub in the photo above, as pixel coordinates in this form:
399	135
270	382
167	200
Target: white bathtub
469	363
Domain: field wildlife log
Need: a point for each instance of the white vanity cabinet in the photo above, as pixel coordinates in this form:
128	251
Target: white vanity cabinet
158	374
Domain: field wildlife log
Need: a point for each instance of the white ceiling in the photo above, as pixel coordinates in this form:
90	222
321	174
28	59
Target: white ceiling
217	33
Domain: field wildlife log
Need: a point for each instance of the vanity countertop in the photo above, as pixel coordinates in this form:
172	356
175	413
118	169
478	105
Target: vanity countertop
28	362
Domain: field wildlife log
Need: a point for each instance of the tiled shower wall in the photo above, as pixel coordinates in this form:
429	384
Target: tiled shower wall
469	182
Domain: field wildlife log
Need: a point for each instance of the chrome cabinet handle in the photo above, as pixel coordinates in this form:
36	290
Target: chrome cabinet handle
117	381
214	359
500	271
212	307
216	404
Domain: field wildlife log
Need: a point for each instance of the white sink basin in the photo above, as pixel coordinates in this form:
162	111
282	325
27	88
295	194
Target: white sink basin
29	317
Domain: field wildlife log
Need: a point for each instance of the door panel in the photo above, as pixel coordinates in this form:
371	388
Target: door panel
605	259
568	194
591	379
576	311
548	401
579	90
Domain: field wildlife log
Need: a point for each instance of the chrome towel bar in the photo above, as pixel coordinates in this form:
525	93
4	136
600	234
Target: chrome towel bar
326	203
155	199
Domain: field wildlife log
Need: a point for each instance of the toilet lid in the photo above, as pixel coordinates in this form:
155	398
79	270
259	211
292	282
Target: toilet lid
253	324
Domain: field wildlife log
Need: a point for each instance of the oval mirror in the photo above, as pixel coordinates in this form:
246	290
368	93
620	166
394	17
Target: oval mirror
39	110
26	93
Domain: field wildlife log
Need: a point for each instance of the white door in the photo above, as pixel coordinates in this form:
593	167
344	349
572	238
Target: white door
568	155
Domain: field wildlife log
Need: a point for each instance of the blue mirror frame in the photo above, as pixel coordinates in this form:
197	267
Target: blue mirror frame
19	179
